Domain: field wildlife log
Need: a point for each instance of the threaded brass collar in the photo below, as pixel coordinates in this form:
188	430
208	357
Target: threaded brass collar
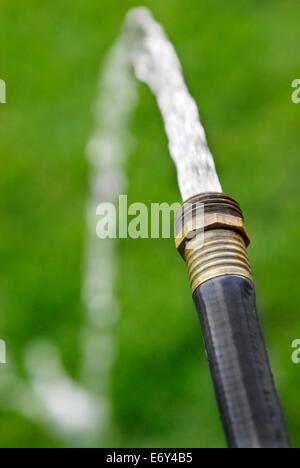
212	238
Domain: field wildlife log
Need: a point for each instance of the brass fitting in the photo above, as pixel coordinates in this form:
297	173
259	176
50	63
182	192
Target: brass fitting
212	238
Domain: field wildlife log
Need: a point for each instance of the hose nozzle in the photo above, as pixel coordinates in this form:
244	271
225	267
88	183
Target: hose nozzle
212	238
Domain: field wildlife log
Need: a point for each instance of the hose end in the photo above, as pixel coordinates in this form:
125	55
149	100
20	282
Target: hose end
212	238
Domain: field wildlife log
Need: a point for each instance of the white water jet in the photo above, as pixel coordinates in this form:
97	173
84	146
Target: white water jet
156	63
144	46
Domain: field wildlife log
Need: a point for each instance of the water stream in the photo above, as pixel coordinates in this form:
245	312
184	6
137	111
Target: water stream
82	409
156	63
143	46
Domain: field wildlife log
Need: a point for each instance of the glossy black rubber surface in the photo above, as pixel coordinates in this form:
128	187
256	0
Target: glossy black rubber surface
246	395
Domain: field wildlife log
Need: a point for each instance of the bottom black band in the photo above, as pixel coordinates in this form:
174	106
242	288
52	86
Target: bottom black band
244	386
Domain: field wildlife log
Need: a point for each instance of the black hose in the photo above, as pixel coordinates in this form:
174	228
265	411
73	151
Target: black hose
212	239
243	382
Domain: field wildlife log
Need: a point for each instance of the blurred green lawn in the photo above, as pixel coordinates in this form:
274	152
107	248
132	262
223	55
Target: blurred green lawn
239	60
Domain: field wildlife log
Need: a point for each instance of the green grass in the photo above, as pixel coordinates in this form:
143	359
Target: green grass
239	61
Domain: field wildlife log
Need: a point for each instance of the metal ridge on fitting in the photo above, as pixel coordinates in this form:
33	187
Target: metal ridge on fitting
212	238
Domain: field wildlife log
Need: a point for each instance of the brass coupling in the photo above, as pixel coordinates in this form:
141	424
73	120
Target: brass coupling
212	238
